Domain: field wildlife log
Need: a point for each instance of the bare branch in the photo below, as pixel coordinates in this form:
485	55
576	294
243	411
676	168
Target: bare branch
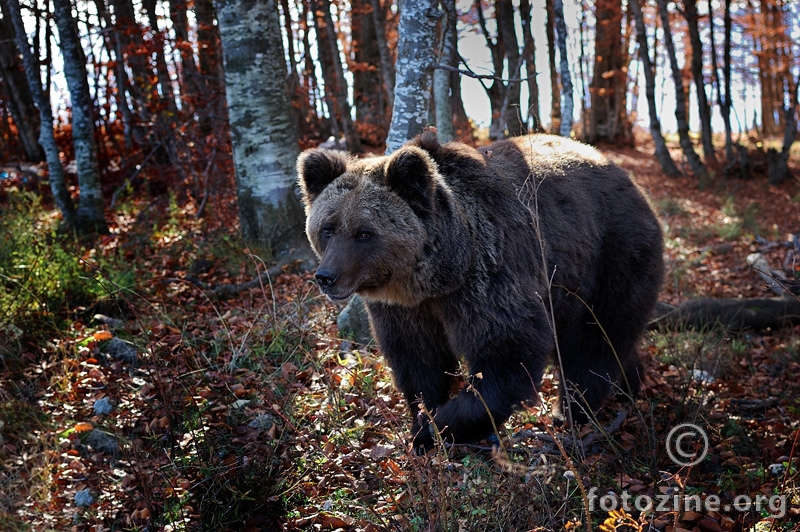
471	74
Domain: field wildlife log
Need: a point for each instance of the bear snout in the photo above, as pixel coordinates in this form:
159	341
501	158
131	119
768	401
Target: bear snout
326	278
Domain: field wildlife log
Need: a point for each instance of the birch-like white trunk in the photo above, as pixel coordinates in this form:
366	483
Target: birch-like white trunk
47	137
262	131
416	53
568	103
90	214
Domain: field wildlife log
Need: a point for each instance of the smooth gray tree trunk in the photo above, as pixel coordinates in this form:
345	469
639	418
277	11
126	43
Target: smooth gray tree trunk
416	54
263	133
47	137
568	102
661	151
90	213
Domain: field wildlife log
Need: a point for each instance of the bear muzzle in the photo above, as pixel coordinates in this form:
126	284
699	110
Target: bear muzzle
326	280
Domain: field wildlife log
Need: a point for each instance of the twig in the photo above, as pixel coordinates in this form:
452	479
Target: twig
205	184
471	74
568	442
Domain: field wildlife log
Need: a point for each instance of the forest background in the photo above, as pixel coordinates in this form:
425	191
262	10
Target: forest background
166	362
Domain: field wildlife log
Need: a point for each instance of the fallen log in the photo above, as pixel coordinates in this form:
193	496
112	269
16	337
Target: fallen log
731	314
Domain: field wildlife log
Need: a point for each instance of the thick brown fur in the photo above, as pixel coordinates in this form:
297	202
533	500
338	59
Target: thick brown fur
459	254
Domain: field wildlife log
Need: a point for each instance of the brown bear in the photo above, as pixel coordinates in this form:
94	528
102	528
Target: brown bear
532	247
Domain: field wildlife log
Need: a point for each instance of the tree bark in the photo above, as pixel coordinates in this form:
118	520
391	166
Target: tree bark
210	66
533	114
47	137
704	110
90	214
697	166
387	64
566	79
191	86
416	54
723	96
263	135
661	151
510	116
608	90
369	97
166	96
333	72
555	91
18	94
497	90
442	93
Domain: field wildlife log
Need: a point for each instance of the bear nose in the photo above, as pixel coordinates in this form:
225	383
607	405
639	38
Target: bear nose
326	278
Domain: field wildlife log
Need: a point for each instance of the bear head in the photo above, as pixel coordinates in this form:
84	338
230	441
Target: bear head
366	220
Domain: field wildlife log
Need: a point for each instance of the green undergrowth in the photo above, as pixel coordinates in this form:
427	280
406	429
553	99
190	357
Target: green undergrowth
47	278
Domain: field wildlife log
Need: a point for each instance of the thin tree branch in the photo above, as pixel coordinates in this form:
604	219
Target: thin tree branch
471	74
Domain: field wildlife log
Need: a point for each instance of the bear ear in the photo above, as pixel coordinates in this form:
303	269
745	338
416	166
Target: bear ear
411	173
316	169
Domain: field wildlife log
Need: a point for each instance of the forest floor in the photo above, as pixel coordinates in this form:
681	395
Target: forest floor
180	410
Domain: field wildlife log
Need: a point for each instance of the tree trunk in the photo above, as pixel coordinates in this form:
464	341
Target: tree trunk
510	116
704	110
533	114
661	151
90	213
191	86
555	91
166	96
724	96
497	90
566	79
210	66
262	131
47	137
333	72
368	98
18	94
387	64
442	94
298	97
609	117
416	53
116	55
695	163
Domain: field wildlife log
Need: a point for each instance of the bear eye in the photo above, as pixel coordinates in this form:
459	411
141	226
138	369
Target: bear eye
364	236
327	232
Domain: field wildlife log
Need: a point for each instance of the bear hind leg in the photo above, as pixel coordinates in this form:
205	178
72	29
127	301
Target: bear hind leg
595	361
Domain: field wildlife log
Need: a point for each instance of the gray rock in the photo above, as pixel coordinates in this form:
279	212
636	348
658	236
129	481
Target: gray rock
120	350
353	321
101	442
103	407
262	422
84	498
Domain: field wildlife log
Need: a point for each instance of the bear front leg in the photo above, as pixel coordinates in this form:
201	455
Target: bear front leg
423	365
503	377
